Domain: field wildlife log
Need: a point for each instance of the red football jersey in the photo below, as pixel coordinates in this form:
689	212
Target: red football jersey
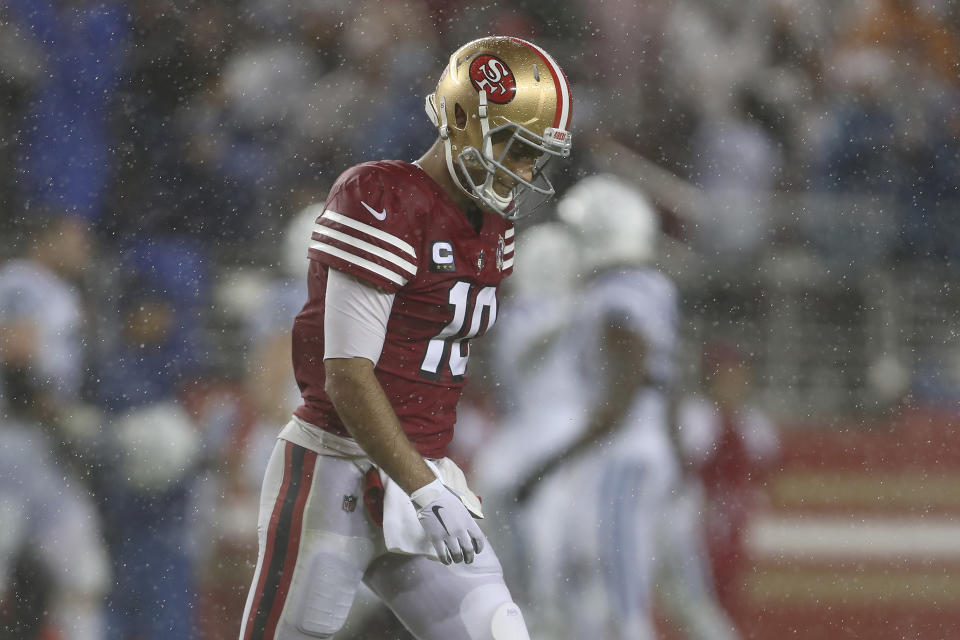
390	224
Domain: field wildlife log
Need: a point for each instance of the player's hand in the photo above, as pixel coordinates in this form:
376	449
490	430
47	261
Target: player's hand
449	526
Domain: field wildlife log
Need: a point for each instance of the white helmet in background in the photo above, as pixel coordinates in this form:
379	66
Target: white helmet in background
546	260
612	221
296	240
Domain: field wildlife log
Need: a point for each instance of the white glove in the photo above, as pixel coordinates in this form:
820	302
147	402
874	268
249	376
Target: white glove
448	524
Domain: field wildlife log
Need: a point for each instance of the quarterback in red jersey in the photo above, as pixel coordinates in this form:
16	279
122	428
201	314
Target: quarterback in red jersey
443	273
405	261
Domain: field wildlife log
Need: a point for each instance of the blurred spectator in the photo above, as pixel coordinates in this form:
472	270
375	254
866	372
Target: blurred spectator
154	450
65	148
42	314
899	28
738	165
48	519
858	154
730	445
177	55
262	128
46	512
388	47
21	71
147	497
895	81
160	344
714	45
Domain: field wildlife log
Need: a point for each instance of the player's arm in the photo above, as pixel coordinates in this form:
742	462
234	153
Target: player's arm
622	351
355	321
366	412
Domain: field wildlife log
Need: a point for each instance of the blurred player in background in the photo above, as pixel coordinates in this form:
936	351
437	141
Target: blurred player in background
405	264
729	445
596	503
532	351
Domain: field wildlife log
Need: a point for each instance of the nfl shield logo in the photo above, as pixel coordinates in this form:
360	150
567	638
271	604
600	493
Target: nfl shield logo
349	503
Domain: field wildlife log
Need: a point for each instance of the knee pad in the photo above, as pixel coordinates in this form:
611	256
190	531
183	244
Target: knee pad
508	624
489	613
327	595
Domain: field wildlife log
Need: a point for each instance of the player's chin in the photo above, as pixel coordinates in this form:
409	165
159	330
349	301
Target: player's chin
506	195
506	210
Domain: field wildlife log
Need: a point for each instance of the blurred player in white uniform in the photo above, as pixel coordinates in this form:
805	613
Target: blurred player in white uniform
597	504
531	359
44	511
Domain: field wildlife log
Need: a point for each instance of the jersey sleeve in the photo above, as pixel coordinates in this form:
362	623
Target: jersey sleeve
507	250
645	302
367	230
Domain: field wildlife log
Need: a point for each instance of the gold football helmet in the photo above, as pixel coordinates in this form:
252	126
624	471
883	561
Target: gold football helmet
501	92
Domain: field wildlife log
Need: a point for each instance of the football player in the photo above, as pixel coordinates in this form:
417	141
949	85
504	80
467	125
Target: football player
532	351
405	262
730	445
618	468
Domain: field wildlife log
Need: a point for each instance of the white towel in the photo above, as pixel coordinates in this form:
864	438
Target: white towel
402	532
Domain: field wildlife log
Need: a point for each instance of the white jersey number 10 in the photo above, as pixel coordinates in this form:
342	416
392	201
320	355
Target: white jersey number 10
452	345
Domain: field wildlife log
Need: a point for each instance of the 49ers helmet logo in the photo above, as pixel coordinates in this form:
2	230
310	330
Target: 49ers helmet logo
492	75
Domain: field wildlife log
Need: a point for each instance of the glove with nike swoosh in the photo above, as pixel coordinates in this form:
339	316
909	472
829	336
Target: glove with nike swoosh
449	526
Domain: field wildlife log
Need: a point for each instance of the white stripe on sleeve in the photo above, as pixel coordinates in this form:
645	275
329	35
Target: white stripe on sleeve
363	263
380	234
366	246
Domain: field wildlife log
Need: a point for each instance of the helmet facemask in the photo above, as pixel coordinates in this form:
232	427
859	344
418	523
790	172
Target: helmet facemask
499	144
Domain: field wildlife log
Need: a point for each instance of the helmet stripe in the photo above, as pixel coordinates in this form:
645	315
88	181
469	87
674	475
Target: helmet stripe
564	97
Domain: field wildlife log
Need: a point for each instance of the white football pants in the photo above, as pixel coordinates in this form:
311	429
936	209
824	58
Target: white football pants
590	538
317	543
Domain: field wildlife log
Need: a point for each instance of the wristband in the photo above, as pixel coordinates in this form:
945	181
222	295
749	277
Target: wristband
427	493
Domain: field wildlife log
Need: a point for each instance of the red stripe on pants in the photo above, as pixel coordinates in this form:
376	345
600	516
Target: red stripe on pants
293	546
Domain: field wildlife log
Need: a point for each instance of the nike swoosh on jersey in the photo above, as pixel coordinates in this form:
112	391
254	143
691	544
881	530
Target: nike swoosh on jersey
436	512
379	215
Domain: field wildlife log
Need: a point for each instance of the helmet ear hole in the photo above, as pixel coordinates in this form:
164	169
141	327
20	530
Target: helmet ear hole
459	116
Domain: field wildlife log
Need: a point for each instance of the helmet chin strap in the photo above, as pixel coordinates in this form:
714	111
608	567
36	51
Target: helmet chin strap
492	197
440	119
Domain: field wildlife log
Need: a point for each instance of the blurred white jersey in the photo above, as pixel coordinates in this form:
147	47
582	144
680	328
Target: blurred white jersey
644	301
591	527
534	361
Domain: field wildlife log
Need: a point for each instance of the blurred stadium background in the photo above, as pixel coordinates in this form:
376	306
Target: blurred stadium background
803	155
